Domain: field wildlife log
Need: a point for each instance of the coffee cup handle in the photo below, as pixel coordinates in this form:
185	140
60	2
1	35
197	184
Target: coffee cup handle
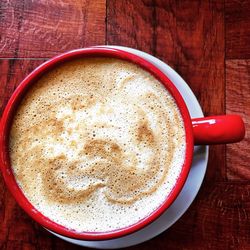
218	129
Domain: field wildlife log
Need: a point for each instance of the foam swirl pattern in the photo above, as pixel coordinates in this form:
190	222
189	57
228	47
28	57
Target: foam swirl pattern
97	144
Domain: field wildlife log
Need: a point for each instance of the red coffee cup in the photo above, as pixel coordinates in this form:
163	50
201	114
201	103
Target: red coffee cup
208	130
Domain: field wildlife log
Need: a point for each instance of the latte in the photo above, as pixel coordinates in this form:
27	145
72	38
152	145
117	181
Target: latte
97	144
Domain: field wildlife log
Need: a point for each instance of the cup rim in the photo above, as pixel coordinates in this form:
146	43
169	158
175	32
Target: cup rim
15	99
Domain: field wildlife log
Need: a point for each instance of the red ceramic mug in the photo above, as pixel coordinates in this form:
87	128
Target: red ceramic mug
208	130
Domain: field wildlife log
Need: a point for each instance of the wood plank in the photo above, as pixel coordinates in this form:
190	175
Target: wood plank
237	22
12	72
130	23
193	44
238	101
44	244
37	29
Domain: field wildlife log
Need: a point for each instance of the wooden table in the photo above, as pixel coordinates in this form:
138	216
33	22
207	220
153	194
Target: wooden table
207	42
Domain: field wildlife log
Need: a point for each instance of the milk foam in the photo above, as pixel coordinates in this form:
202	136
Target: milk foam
97	144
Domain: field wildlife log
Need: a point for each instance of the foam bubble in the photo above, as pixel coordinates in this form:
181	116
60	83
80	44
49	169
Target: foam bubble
97	144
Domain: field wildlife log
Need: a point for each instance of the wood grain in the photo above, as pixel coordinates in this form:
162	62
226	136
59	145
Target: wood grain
192	44
191	36
131	24
12	73
238	102
237	21
38	29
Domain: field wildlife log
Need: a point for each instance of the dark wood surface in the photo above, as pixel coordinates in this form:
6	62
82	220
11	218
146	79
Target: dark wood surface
206	42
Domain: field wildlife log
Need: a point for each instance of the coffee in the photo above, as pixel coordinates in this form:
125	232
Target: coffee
97	144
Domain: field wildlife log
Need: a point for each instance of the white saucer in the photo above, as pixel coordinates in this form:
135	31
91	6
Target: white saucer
191	187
